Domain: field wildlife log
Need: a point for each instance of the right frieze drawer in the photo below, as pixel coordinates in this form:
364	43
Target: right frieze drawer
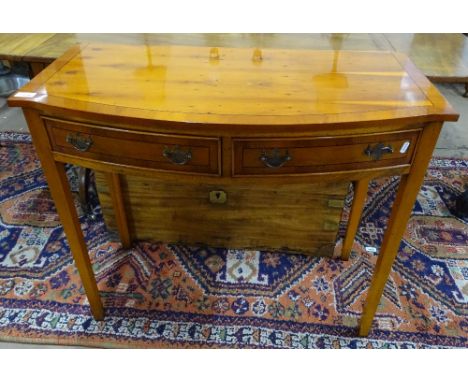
276	156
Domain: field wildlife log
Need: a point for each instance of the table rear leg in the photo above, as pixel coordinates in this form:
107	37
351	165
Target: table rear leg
115	191
359	199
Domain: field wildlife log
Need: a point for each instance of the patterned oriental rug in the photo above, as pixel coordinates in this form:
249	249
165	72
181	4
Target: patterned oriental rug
165	295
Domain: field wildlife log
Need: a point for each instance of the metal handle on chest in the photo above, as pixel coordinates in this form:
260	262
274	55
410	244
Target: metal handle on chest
79	142
275	159
176	155
378	150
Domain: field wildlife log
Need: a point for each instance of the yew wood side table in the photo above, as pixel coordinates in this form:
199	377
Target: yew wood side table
235	116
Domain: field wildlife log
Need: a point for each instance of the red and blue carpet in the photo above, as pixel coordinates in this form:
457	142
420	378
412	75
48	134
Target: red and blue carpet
162	295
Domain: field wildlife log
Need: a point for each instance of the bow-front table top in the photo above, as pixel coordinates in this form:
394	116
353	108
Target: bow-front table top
443	57
236	86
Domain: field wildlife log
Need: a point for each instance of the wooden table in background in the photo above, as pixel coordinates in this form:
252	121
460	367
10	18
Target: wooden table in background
235	117
442	57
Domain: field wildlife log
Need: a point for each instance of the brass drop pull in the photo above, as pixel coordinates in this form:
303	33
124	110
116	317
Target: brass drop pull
275	159
176	155
79	142
378	150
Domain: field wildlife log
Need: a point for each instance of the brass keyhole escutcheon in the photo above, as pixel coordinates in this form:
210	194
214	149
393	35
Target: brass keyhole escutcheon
218	197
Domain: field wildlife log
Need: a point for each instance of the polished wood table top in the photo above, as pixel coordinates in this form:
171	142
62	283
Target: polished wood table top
237	85
47	47
440	56
235	119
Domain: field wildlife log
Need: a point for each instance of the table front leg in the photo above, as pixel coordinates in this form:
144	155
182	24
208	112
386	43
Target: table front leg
359	198
63	198
60	191
401	212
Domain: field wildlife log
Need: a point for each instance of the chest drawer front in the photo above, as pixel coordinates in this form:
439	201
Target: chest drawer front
158	151
322	154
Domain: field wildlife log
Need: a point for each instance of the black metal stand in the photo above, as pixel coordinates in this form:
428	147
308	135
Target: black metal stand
461	205
84	178
4	69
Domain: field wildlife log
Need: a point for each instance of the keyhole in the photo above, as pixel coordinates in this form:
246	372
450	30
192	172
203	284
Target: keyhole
217	196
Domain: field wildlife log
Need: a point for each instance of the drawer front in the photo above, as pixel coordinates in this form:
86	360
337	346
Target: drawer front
158	151
323	154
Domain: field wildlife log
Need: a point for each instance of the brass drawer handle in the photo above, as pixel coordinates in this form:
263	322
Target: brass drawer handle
378	150
275	159
177	155
79	142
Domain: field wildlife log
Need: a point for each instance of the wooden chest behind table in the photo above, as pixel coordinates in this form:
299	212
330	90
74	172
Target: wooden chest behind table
234	147
304	218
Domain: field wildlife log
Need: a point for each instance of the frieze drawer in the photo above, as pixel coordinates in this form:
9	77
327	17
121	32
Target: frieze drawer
158	151
322	154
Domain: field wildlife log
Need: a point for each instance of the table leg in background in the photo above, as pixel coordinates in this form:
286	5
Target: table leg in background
115	191
359	198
